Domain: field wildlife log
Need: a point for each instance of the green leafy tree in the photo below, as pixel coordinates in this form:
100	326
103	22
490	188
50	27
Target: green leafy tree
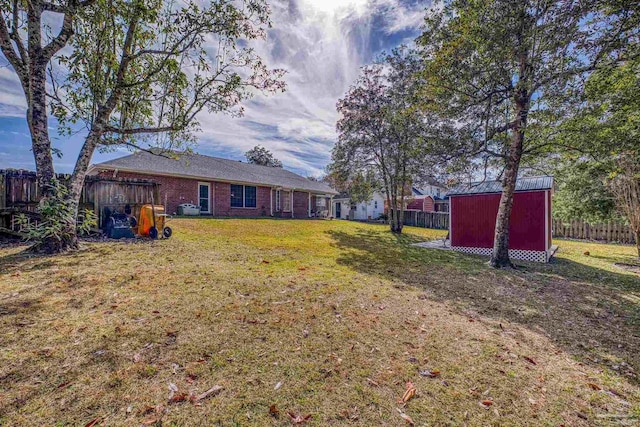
259	155
505	69
600	139
383	140
131	73
583	192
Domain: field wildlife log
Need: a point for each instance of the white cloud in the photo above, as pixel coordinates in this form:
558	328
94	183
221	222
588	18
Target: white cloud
322	44
12	101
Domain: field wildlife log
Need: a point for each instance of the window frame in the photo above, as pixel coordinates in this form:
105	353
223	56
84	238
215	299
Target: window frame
208	185
244	196
288	201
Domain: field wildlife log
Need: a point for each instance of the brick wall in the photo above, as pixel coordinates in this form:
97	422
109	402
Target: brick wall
185	190
222	205
301	204
175	190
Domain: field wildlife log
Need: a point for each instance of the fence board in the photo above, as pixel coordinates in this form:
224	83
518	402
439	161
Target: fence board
21	194
438	220
608	232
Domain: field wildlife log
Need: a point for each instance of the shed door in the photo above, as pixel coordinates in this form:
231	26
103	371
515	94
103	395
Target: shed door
204	197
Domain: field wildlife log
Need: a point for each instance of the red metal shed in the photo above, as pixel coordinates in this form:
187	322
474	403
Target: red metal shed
473	212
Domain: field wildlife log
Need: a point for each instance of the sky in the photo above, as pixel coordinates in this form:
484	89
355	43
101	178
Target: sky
321	43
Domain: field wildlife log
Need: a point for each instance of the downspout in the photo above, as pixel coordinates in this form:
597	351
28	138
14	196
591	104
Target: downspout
309	213
271	200
292	207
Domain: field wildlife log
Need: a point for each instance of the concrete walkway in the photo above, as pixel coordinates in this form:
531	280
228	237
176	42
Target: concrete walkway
435	244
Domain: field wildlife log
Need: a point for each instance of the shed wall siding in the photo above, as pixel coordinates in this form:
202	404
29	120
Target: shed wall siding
474	218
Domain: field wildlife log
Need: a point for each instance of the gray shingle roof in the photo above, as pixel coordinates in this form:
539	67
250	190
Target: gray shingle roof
214	168
533	183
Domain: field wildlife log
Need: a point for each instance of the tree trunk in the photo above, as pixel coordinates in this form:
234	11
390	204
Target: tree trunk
522	98
67	242
395	224
37	117
500	255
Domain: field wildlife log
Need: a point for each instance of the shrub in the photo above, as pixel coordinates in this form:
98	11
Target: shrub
57	213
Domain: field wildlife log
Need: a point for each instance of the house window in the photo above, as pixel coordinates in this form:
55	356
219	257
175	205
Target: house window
243	196
250	197
375	204
286	195
277	200
320	202
237	196
204	198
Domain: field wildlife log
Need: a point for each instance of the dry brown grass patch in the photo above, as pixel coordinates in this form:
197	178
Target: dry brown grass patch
289	326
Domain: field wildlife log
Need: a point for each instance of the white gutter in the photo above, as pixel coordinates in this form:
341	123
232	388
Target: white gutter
94	169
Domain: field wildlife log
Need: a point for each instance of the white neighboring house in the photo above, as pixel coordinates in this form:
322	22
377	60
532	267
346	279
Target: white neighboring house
342	208
371	209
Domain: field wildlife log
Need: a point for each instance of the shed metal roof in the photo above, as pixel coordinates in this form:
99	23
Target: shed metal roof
533	183
200	166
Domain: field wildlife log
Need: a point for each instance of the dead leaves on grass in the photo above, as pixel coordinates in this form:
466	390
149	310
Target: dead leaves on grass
372	382
299	418
409	393
486	404
96	421
405	417
274	411
594	386
176	396
430	373
213	391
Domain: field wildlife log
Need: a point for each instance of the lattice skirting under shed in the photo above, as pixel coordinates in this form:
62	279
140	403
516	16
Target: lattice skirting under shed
535	256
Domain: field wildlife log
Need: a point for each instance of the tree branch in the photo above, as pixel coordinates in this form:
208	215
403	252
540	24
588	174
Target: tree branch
19	64
136	131
62	38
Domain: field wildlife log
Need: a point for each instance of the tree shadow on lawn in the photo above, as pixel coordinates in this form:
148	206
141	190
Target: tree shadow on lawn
592	313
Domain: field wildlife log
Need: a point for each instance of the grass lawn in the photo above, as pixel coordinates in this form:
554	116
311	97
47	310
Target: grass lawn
323	318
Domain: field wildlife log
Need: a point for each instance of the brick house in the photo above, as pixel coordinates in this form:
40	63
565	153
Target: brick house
223	187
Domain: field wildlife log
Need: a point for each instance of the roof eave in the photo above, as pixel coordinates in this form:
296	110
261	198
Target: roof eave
94	169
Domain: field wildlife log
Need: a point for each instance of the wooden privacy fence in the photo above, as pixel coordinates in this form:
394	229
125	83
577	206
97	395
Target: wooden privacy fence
608	232
19	194
439	220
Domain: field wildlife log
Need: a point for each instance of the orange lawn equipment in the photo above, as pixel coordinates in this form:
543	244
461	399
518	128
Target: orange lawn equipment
152	220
